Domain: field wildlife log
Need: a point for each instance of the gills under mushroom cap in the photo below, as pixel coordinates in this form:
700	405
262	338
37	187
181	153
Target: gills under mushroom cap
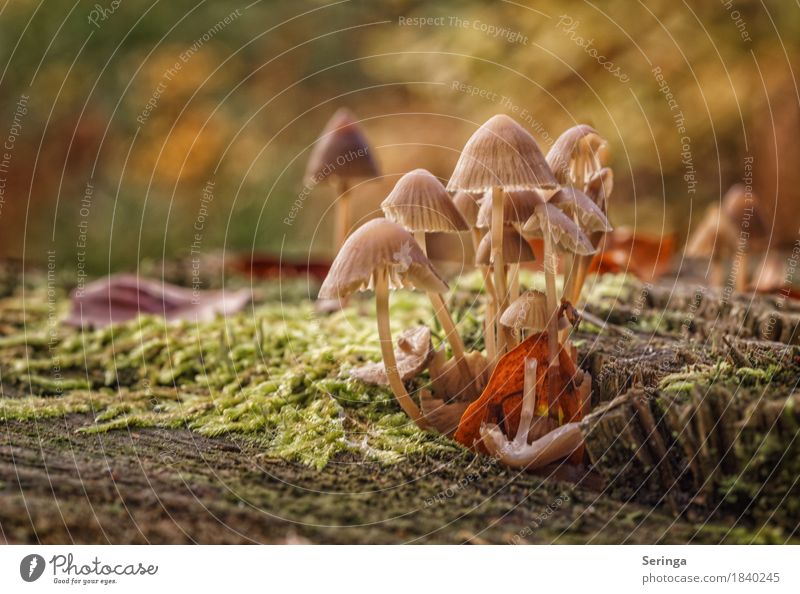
501	153
578	205
515	248
419	202
341	151
467	204
564	231
518	207
380	245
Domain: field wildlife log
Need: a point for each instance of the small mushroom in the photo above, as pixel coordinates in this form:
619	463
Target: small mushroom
529	312
413	353
341	154
420	203
727	233
501	156
576	155
382	255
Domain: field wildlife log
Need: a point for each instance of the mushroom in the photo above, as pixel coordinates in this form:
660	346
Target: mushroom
515	250
501	156
468	205
420	203
723	235
341	154
529	312
576	155
382	255
557	229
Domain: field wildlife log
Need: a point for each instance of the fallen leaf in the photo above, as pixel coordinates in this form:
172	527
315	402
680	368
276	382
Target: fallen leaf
501	401
414	351
646	256
119	298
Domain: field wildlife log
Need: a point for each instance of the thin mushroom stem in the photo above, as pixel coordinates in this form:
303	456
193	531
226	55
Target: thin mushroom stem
491	312
420	237
498	264
387	349
528	401
445	319
450	331
342	213
740	273
552	319
514	275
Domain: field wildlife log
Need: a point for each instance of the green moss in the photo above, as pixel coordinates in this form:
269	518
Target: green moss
278	377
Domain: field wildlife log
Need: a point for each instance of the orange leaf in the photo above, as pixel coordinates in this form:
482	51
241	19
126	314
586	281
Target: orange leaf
501	400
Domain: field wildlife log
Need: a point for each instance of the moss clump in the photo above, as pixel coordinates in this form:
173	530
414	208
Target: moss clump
277	376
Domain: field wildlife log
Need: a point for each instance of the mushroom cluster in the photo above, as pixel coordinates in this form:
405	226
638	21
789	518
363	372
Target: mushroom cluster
503	192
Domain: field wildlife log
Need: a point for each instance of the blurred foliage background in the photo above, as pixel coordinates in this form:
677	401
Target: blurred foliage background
90	95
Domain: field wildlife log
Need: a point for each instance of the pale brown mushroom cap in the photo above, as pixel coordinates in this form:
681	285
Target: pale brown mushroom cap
565	233
580	139
529	311
600	186
713	237
518	207
741	208
380	245
450	247
468	205
501	153
419	202
515	248
578	205
341	151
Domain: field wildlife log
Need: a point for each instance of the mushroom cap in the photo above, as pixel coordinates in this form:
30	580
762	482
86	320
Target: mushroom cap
578	205
517	208
713	237
450	247
600	186
529	311
575	141
380	244
740	207
501	153
419	202
566	234
341	151
467	204
515	248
